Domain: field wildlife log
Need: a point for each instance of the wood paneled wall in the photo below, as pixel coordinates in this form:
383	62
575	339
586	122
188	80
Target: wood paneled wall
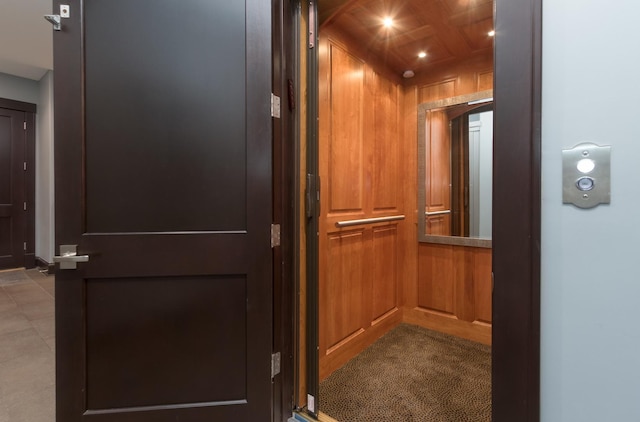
450	80
451	291
359	146
372	277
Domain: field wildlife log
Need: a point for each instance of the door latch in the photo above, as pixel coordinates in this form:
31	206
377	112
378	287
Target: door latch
55	19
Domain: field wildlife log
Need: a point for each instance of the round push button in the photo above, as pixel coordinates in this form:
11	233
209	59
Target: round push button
585	183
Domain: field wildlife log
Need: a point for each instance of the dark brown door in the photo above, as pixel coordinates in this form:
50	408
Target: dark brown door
12	188
163	179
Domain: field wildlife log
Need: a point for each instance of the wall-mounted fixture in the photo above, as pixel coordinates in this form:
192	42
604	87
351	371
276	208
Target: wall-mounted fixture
65	12
586	175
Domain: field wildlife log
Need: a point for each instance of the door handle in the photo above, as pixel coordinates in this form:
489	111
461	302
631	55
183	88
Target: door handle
69	258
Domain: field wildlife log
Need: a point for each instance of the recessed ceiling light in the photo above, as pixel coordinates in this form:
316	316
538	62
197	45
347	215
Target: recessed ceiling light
491	33
388	22
422	54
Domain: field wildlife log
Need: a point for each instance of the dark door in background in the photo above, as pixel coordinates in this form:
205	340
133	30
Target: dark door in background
17	184
163	180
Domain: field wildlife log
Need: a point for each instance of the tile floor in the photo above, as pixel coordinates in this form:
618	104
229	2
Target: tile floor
27	344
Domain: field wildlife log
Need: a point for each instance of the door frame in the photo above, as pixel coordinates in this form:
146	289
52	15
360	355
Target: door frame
29	194
285	257
516	204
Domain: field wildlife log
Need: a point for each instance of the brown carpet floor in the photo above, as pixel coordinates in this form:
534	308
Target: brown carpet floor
412	374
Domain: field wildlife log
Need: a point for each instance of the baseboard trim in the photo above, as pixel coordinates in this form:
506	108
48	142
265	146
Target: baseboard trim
340	354
44	265
474	331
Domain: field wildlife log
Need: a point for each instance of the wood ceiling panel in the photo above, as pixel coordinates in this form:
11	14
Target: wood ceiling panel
476	36
435	48
448	30
465	6
420	34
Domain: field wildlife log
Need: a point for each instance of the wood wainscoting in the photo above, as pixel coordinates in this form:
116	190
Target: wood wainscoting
453	293
359	158
359	297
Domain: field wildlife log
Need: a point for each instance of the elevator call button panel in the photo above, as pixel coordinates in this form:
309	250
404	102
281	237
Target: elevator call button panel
586	175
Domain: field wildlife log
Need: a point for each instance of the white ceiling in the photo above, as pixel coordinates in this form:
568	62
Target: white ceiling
26	48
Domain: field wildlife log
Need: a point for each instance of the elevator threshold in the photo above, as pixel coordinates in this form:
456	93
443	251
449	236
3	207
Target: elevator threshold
303	417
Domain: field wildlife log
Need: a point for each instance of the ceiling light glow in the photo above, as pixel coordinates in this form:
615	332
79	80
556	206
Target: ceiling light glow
422	54
491	33
388	22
